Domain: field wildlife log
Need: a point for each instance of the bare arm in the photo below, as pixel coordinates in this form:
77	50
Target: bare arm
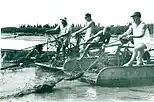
55	29
96	35
99	33
127	32
65	34
84	28
68	31
58	27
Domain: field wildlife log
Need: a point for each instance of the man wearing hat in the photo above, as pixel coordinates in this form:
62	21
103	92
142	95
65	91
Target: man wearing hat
64	35
141	41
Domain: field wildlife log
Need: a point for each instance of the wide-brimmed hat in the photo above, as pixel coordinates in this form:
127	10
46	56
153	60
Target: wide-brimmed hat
138	14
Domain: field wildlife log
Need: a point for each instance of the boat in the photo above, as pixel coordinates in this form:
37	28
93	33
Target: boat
119	76
110	72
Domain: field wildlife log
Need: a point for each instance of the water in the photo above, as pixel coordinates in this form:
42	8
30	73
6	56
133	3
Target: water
70	91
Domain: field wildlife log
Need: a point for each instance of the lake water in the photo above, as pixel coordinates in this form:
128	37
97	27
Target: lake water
70	91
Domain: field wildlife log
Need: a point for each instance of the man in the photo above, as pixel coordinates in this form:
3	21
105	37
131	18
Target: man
89	28
102	37
64	35
138	28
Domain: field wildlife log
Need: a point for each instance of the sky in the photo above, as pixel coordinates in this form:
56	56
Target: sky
105	12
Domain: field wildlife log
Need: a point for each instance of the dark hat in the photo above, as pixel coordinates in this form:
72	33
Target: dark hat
138	14
88	15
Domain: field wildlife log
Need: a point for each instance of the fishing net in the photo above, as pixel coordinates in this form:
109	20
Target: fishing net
26	81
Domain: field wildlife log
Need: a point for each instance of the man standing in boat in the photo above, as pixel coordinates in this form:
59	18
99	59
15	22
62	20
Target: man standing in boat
98	40
64	35
141	41
89	28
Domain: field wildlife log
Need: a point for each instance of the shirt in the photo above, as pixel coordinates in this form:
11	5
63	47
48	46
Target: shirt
64	30
137	31
89	31
105	38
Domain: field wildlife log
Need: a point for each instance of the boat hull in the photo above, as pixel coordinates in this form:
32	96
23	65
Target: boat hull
119	76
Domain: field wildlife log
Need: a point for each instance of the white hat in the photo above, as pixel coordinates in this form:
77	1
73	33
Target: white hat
64	18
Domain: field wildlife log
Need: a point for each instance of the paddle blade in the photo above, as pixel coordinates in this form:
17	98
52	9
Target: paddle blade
74	77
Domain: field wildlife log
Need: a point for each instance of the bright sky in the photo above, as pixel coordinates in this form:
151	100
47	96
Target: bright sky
107	12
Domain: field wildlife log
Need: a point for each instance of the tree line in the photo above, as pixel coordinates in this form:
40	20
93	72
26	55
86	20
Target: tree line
41	29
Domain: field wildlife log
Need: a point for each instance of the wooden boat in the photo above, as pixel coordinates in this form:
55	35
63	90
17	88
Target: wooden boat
119	76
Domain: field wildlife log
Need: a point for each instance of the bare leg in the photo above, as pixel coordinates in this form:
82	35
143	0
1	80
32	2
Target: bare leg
58	48
85	51
88	46
139	48
140	55
64	45
81	46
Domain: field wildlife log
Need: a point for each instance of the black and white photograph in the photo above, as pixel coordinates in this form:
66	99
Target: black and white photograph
77	51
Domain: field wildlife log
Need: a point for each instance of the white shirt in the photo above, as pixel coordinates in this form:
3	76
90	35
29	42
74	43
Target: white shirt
65	29
137	31
89	31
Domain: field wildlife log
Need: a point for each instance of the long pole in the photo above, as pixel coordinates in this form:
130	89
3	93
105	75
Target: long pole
153	31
